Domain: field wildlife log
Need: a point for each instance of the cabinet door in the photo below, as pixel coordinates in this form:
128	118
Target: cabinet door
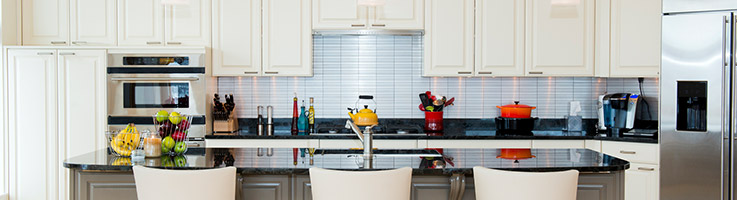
45	22
635	42
449	38
338	14
32	104
140	22
642	182
93	22
266	187
560	38
236	48
287	38
189	24
500	38
398	14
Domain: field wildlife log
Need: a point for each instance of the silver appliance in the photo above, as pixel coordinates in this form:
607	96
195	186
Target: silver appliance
697	113
142	82
619	112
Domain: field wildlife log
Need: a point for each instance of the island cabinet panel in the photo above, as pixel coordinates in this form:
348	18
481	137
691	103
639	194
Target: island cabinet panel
266	187
603	186
103	186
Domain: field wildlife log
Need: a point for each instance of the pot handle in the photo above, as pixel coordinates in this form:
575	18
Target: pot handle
499	107
533	108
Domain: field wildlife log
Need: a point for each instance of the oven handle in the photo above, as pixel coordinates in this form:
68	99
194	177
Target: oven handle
155	79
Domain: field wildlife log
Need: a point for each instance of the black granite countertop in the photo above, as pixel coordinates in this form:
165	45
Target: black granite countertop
455	129
455	161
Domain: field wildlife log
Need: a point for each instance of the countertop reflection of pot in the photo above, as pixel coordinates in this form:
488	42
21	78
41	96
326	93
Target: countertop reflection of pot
516	110
515	154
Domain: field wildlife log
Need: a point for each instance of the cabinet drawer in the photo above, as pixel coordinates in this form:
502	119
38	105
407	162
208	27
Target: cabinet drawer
633	152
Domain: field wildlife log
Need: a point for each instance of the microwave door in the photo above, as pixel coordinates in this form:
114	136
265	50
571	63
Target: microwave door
692	127
146	94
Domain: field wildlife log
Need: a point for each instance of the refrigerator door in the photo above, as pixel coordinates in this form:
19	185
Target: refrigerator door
694	142
674	6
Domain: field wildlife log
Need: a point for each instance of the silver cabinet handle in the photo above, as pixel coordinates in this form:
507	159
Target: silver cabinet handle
627	152
378	25
464	73
155	79
174	43
536	72
271	72
250	72
153	42
45	53
79	42
58	42
358	25
67	54
193	145
484	72
646	168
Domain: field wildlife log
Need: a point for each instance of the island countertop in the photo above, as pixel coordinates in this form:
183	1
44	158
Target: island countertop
455	161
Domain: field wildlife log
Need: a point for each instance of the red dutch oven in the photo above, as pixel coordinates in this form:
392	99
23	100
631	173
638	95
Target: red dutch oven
516	110
515	154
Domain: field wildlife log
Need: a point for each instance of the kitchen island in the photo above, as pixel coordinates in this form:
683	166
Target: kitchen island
273	173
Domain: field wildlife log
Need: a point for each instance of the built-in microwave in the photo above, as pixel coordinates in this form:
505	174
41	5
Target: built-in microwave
139	84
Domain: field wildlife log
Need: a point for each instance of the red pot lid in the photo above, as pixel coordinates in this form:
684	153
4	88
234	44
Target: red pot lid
516	105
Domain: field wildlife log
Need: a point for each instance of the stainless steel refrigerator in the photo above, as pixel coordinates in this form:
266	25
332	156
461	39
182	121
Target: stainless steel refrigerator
697	110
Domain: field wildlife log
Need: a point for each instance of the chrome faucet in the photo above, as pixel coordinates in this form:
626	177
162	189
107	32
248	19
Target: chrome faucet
367	138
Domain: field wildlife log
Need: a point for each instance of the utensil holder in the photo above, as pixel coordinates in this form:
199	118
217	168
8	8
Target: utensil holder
433	121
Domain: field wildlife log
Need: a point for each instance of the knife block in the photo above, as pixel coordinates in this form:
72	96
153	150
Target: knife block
227	124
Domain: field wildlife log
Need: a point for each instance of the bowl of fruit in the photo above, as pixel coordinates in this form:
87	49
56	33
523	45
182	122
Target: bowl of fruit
173	128
124	142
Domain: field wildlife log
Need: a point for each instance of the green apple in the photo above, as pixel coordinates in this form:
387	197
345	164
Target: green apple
180	161
168	143
180	147
175	118
162	116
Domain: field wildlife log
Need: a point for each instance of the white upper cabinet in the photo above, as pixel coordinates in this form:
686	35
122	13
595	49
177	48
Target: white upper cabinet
140	22
338	14
347	14
635	38
236	48
287	38
93	22
189	24
449	42
560	38
500	38
398	14
45	22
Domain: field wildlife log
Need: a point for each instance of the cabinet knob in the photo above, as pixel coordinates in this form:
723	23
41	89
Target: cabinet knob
271	72
79	42
378	25
250	72
358	25
45	53
646	168
464	72
58	42
153	43
484	72
536	72
174	43
67	54
627	152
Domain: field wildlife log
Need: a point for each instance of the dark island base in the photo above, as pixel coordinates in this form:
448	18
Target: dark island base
120	185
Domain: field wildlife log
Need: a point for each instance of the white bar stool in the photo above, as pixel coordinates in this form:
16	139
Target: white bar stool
494	184
340	185
158	184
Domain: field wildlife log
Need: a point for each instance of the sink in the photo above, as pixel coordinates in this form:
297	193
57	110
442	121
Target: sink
384	152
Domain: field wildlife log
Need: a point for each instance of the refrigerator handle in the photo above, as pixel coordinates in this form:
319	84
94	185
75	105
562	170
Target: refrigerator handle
730	63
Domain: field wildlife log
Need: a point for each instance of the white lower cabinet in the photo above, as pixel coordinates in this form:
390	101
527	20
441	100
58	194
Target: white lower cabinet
57	108
642	182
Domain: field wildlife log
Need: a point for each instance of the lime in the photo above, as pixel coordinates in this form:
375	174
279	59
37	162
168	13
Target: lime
175	118
162	116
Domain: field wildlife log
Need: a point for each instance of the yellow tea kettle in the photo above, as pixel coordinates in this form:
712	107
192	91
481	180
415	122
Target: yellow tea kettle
365	116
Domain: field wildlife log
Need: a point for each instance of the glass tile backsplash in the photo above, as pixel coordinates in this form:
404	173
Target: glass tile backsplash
390	68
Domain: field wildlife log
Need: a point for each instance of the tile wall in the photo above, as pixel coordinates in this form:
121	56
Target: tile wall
390	68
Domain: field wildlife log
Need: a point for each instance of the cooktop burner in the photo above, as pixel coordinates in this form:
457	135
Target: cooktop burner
381	129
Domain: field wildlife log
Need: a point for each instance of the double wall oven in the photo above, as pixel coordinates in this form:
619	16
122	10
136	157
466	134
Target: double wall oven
141	83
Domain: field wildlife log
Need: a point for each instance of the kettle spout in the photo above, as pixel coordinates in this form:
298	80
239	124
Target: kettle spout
353	117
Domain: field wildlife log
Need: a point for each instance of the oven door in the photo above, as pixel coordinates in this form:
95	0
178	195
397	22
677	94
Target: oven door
146	94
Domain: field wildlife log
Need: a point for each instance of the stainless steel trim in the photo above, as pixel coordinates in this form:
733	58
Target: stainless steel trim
271	72
369	32
378	25
358	25
67	54
485	72
465	72
116	59
646	169
733	112
535	72
58	42
154	78
45	53
153	42
627	152
174	43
